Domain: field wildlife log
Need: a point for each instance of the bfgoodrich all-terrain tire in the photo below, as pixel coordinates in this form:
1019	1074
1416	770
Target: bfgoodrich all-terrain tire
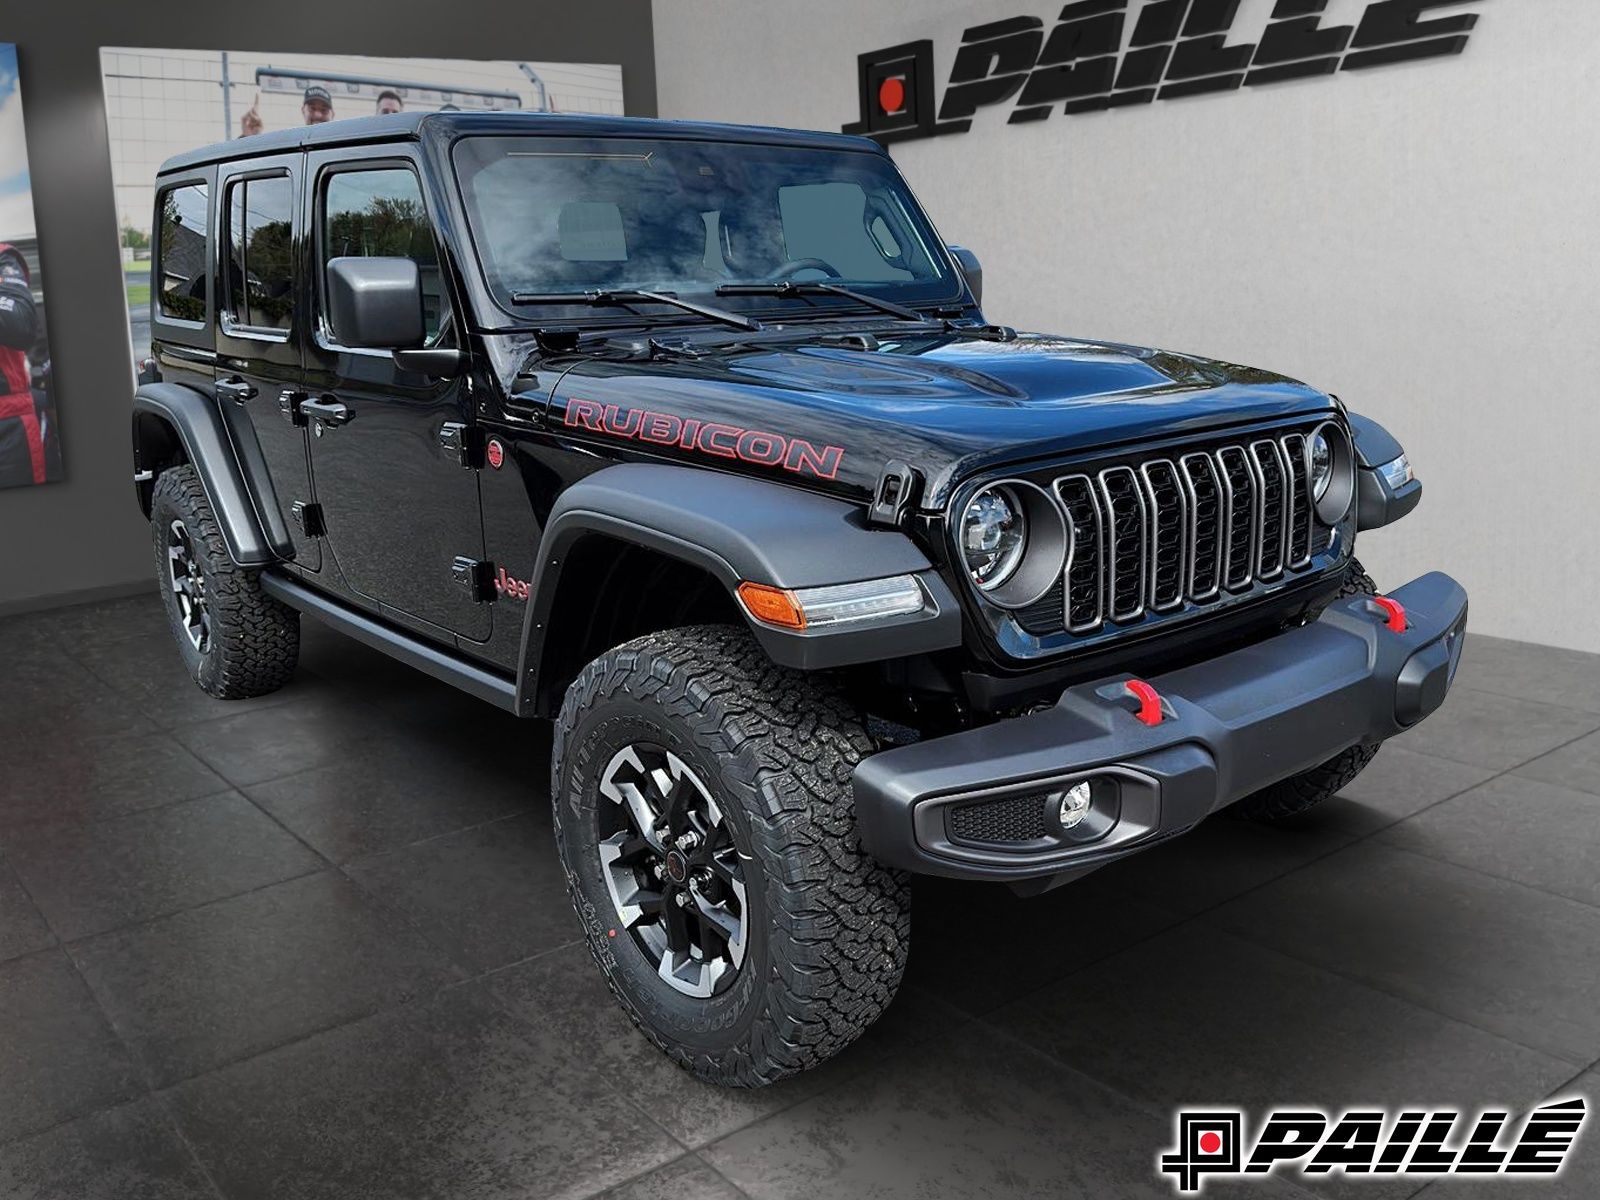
704	817
1298	794
236	640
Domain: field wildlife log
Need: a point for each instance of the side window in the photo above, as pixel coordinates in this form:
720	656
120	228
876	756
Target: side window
260	265
181	252
380	214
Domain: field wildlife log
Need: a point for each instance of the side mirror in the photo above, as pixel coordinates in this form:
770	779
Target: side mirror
375	303
971	268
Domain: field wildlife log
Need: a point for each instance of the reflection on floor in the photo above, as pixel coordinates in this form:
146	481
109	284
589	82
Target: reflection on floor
318	945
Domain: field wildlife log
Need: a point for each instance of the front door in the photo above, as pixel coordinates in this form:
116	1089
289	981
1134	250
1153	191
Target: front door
261	328
399	506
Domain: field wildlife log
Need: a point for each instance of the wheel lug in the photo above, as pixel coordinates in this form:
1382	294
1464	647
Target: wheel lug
689	841
681	899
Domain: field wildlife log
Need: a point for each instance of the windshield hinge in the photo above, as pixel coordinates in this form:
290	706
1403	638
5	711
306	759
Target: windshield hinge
892	498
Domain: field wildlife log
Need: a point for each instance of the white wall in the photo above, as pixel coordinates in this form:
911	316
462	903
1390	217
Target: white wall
1422	239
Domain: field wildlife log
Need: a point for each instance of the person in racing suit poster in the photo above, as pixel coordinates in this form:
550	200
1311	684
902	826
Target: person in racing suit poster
27	436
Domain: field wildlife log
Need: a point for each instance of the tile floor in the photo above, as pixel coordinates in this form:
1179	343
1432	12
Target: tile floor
361	978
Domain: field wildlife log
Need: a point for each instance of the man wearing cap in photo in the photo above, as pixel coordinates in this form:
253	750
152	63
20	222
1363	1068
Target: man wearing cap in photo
317	105
22	452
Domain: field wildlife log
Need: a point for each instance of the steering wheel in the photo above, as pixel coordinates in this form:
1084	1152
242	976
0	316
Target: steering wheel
795	265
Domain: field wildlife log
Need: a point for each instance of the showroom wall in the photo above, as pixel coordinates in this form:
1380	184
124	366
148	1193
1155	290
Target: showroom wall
84	537
1418	238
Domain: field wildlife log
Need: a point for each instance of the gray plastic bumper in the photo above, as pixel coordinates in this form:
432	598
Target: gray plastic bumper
1229	726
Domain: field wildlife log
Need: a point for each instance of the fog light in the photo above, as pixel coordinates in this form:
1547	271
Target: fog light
1075	803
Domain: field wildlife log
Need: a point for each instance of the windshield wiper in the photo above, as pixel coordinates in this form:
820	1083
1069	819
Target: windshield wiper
791	287
632	296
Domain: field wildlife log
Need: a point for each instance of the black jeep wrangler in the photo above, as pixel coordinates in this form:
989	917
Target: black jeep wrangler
694	440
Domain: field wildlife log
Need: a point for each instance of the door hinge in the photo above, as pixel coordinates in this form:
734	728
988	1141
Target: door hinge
463	443
897	488
476	576
309	518
289	405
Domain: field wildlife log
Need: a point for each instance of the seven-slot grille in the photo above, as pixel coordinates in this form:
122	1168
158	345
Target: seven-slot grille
1162	532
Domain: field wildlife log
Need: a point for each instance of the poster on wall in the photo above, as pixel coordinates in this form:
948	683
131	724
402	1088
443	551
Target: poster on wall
164	102
29	451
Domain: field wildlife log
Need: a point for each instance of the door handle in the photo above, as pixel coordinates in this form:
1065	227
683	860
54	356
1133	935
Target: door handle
235	389
329	412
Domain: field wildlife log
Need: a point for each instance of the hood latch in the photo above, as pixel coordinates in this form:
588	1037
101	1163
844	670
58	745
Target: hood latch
892	498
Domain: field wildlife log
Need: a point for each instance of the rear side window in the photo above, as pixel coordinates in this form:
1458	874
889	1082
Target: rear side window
260	268
379	213
181	252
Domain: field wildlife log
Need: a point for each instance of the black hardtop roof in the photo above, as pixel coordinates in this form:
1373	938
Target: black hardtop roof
412	126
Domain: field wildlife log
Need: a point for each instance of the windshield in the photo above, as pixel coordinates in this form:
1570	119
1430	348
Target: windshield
565	215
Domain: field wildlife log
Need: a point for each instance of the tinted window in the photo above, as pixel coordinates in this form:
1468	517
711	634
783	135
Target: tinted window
261	252
569	214
380	214
181	252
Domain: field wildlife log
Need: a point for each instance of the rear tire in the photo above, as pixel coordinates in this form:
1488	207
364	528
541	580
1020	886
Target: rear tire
1299	794
236	641
698	720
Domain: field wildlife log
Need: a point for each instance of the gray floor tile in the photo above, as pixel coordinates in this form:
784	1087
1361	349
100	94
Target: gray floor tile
1198	1016
255	746
687	1179
58	1057
86	628
1397	783
48	699
22	928
131	1152
149	673
385	796
1535	833
1224	857
1518	962
1497	732
1544	673
495	893
101	777
1575	765
574	1019
977	946
445	1099
202	988
983	1117
88	878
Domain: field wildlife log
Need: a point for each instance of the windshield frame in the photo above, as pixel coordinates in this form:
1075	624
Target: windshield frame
497	295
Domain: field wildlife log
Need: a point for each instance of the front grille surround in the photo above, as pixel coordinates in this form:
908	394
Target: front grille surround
1163	533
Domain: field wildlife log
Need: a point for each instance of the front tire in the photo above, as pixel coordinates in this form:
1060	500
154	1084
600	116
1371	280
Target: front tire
1299	794
704	817
236	641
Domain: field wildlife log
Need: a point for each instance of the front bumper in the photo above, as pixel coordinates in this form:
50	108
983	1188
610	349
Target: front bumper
1229	727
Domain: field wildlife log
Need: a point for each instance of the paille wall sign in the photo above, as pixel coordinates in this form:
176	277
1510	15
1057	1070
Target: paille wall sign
1089	60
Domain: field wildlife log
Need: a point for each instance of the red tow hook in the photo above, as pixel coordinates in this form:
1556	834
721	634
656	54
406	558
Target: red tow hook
1149	701
1394	611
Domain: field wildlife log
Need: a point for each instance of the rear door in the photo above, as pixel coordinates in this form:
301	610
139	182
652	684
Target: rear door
400	506
261	327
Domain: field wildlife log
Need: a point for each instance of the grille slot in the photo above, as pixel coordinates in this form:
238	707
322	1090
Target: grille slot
1158	535
999	822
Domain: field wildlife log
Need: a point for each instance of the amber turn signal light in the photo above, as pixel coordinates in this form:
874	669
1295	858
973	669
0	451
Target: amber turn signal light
774	605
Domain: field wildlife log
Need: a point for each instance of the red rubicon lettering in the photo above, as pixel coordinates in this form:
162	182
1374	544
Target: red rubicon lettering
714	438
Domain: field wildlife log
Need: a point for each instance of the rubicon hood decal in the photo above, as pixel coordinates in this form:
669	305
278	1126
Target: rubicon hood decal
715	438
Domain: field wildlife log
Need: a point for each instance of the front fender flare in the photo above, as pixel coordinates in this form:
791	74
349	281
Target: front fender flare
739	529
199	427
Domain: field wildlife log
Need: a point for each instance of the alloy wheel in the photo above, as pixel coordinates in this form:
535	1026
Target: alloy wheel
188	586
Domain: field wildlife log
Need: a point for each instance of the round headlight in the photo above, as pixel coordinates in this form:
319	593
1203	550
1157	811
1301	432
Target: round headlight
994	534
1321	464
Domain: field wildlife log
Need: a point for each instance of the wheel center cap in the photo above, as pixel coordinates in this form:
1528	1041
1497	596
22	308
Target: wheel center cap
677	866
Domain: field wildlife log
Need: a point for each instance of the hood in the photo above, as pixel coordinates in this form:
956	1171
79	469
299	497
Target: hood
947	405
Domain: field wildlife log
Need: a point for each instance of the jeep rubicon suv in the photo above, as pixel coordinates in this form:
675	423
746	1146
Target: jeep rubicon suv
694	439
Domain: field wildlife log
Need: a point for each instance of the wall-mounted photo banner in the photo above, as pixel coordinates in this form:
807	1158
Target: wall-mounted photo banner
164	102
29	452
1101	54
